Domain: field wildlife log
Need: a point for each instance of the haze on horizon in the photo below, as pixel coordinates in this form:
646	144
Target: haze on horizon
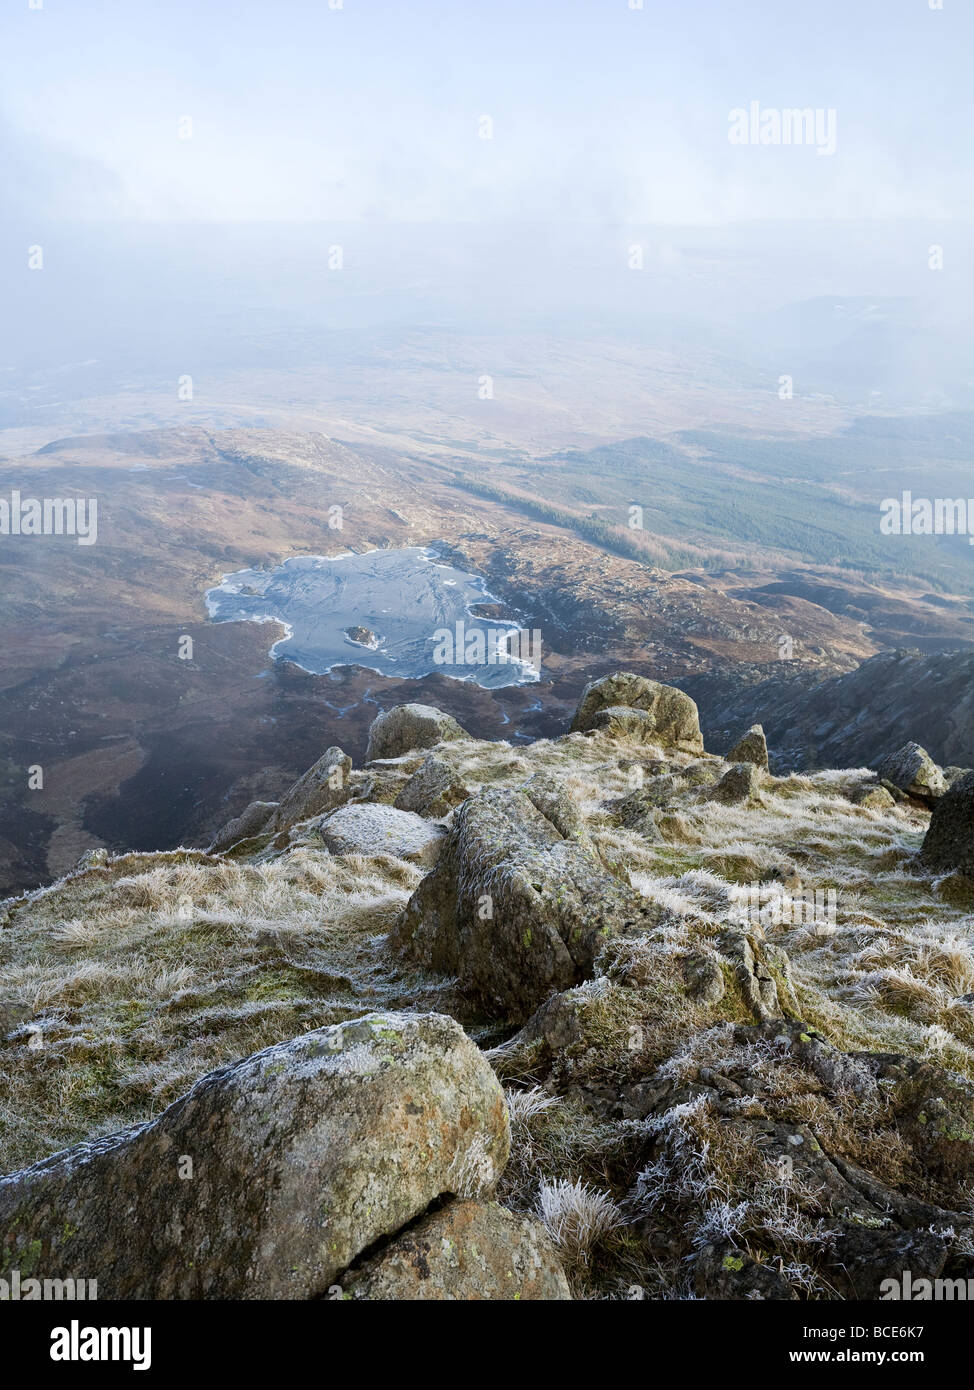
601	112
187	170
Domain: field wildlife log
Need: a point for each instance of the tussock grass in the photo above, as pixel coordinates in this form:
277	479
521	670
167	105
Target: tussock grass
576	1217
134	983
132	980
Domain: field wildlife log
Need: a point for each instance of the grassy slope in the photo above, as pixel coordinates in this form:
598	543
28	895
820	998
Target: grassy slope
817	500
132	980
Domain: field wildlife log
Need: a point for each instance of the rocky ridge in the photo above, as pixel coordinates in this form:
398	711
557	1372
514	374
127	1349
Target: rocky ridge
849	719
599	1014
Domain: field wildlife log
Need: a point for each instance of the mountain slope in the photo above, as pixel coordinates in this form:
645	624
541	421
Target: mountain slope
756	993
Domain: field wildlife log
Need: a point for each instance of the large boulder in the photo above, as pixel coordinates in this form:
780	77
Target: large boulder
323	787
751	747
722	1271
673	714
740	783
549	796
514	909
912	769
433	790
949	842
623	724
762	970
864	1259
468	1251
934	1111
637	811
374	828
250	822
269	1177
874	796
406	727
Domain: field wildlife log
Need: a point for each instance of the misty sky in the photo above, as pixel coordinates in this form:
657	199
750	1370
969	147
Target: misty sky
600	112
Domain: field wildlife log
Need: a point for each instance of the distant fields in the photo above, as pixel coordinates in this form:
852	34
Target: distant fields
709	499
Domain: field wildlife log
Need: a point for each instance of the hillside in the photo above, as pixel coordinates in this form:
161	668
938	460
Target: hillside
730	1013
852	718
144	749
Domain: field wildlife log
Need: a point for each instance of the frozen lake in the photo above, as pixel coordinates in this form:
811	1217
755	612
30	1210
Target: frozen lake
398	612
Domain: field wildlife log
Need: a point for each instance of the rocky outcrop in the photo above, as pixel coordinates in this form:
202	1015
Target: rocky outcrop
323	787
375	828
865	1259
637	811
912	769
751	747
763	972
250	822
704	978
94	858
547	794
270	1177
740	783
514	909
674	938
849	720
722	1271
433	790
469	1251
670	715
567	1019
949	842
406	727
858	1229
618	722
934	1111
874	796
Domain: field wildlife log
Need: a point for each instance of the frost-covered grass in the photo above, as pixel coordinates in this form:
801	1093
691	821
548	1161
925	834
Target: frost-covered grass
123	984
576	1217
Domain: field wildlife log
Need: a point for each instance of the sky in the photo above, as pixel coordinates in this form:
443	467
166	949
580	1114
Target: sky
603	111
